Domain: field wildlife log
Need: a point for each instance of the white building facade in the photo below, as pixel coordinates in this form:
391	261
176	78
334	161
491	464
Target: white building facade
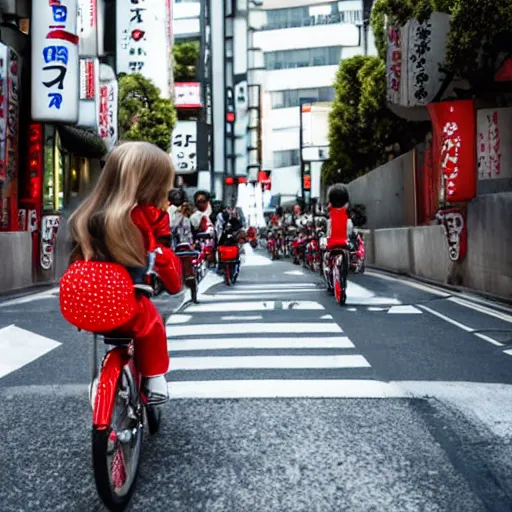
302	43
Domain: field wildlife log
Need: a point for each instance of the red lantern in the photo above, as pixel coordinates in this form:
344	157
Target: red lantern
229	180
455	154
242	180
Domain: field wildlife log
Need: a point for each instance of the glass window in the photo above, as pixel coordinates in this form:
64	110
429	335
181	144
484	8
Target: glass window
53	173
288	59
286	158
291	98
302	16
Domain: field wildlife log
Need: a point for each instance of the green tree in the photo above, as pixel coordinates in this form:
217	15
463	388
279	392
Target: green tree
363	132
185	56
143	114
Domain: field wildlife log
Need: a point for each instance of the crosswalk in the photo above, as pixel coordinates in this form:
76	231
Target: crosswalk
244	342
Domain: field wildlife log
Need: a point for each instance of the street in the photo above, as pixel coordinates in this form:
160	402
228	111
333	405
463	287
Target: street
281	400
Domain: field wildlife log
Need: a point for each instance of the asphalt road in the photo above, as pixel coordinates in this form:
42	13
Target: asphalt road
282	401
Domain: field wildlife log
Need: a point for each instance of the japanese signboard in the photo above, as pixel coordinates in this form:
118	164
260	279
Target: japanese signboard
55	66
184	147
3	108
187	95
455	156
494	144
142	41
454	223
88	27
414	55
108	107
89	87
9	196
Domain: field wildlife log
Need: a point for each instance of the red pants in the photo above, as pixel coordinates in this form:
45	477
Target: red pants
147	327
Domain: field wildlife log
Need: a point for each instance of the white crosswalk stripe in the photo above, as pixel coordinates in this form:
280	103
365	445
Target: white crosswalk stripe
265	348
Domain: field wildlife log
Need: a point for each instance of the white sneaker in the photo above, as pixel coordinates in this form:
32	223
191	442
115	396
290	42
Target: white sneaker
155	389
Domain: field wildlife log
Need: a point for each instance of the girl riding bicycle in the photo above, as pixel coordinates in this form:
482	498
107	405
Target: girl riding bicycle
114	231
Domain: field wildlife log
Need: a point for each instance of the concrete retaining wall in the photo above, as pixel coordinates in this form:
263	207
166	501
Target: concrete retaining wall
16	261
423	251
388	194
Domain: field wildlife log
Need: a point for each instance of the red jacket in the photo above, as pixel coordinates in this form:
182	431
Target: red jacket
155	227
338	235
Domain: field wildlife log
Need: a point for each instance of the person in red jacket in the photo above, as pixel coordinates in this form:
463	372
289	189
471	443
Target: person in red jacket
114	230
339	226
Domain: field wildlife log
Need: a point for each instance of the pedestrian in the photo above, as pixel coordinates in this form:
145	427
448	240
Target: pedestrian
179	216
113	231
200	219
339	226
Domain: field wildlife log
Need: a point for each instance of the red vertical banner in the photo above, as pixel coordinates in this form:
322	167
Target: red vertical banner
455	147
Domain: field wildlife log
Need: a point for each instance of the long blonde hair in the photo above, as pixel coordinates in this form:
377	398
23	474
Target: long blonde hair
134	173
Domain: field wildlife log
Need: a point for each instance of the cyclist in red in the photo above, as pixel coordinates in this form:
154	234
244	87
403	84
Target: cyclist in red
114	230
339	223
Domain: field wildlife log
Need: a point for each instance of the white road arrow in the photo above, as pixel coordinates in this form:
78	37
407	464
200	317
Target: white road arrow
20	347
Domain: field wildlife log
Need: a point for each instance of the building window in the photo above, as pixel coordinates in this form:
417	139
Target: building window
291	98
286	158
307	57
293	17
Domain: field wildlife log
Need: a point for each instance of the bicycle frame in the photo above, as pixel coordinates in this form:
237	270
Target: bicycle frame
110	371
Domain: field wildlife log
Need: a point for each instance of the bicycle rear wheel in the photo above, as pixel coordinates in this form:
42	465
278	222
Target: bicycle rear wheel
116	450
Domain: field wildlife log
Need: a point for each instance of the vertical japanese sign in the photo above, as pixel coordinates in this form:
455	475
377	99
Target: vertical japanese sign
9	215
494	145
108	112
184	147
3	109
88	27
55	66
143	41
394	64
454	129
89	92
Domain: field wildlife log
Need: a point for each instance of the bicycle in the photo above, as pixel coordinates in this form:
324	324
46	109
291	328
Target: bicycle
120	411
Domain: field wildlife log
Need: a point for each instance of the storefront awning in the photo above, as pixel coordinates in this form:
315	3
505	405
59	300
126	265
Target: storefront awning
81	142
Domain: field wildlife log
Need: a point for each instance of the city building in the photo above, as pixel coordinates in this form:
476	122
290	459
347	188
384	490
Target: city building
301	43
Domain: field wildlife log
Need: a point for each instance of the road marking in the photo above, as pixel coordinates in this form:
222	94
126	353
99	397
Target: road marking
285	389
404	310
461	326
418	286
264	292
275	286
241	317
20	347
482	309
179	319
339	342
489	339
508	352
326	317
294	273
267	362
263	328
219	307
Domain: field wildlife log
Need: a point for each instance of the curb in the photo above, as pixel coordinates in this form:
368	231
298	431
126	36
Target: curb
25	292
475	294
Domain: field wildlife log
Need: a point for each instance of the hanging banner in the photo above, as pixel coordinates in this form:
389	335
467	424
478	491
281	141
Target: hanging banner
184	147
88	27
89	92
3	109
142	41
494	145
108	113
55	66
454	223
415	53
9	195
454	129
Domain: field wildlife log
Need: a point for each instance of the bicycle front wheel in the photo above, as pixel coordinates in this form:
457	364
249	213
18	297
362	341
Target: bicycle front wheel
116	450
